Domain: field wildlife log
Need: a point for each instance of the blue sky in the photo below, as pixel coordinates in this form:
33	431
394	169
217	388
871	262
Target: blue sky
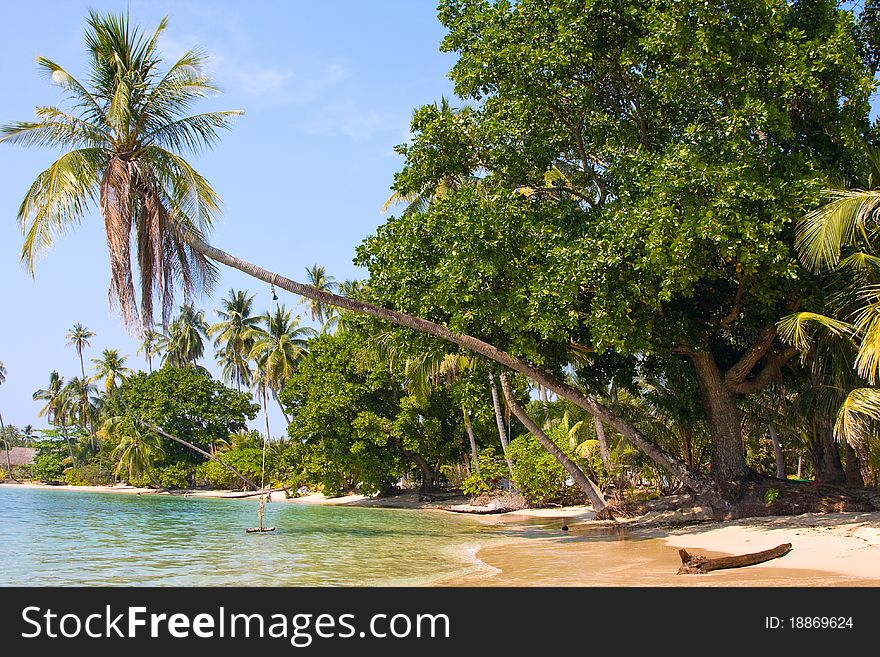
328	90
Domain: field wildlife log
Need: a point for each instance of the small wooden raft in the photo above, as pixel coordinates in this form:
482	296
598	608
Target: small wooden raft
251	530
692	564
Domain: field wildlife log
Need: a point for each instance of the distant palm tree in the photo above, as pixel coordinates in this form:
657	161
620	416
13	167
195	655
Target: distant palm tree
79	337
233	347
184	344
135	451
28	433
150	346
57	407
278	346
3	426
111	368
318	278
80	392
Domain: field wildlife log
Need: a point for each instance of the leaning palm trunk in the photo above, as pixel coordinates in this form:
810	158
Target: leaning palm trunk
698	482
583	481
777	450
603	444
475	457
69	446
6	447
499	421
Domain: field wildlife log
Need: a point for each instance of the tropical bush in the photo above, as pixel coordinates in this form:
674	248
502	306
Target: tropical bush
539	476
493	469
90	474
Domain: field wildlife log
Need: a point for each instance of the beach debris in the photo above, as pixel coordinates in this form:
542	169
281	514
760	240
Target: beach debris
693	564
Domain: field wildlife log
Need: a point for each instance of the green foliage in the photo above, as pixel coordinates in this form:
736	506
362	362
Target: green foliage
540	477
493	468
188	403
771	495
49	462
175	475
248	461
90	474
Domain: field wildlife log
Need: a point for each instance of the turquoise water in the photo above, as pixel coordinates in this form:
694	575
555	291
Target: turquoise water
66	538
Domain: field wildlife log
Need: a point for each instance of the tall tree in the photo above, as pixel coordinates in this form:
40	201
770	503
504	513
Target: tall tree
184	344
57	407
110	368
317	277
150	345
232	346
78	337
278	346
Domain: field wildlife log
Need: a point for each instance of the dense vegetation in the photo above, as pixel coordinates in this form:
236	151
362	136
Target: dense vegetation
622	244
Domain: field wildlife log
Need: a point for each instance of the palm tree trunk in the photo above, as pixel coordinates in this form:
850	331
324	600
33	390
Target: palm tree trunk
473	440
674	466
582	480
499	421
6	447
69	447
603	444
777	450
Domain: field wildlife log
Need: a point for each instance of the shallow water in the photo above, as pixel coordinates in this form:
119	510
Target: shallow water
61	537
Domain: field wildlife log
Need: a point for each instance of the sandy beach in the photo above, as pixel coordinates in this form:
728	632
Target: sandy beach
531	549
839	549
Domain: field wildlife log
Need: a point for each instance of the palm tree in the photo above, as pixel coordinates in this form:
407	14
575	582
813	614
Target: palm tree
149	346
111	368
3	426
278	346
135	451
184	343
233	348
28	433
78	337
317	277
122	152
57	407
81	409
842	237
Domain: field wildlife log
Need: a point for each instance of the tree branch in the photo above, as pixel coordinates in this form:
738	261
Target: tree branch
738	373
767	374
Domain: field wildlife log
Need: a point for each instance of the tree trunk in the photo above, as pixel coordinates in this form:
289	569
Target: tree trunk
693	564
800	469
603	444
499	421
583	481
475	457
853	466
693	479
777	450
6	447
69	447
426	469
725	423
829	470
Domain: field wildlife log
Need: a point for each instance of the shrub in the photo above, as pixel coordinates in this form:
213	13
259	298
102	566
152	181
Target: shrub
248	461
176	475
539	476
90	474
49	467
493	468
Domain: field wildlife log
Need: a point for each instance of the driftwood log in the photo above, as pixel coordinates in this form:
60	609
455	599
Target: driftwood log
692	564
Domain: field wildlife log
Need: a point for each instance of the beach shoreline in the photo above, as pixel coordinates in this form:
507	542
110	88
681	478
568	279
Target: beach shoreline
531	549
